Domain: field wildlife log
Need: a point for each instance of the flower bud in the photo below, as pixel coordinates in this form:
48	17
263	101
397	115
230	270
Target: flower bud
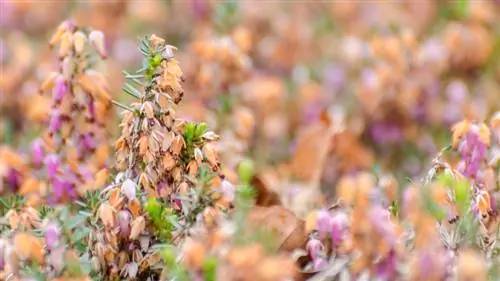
227	189
37	152
52	164
60	89
66	44
315	248
124	218
97	40
52	235
48	83
55	122
128	189
79	40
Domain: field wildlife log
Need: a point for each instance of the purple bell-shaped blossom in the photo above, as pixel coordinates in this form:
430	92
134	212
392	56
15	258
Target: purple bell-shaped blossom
55	122
60	90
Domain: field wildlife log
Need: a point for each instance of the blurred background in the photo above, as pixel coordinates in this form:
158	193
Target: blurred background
271	76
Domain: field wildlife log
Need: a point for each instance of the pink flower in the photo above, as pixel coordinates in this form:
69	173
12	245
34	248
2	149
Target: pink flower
52	235
319	263
124	218
315	248
37	152
339	224
128	189
227	190
55	122
60	90
324	223
52	163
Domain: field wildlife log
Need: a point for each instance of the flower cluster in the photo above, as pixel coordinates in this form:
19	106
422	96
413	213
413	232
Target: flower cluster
72	154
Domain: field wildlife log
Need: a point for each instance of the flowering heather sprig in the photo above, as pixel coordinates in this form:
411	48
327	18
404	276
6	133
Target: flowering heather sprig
471	141
56	254
168	173
359	228
80	107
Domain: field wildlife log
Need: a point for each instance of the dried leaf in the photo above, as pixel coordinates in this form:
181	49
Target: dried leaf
289	229
265	195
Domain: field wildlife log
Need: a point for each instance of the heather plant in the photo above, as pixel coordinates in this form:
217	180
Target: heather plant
168	173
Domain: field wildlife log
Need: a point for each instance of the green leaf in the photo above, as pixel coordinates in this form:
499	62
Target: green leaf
462	195
246	171
80	234
76	221
153	208
210	269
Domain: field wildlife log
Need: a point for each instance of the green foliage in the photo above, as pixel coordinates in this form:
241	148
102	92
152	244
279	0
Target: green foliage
246	171
210	269
10	202
174	269
431	206
460	188
160	216
193	132
226	15
394	208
